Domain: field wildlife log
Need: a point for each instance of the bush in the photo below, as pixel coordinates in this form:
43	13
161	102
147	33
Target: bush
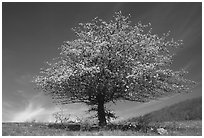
73	127
143	123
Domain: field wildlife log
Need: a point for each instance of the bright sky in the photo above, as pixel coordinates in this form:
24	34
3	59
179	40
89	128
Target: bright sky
33	32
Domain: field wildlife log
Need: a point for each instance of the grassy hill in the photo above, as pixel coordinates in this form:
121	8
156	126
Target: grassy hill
186	110
190	110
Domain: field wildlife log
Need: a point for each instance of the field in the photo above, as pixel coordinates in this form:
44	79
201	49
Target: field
184	128
182	119
187	110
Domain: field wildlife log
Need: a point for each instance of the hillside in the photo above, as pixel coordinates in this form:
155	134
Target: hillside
186	110
190	110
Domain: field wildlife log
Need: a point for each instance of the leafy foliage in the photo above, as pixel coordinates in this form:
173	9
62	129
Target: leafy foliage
112	61
60	117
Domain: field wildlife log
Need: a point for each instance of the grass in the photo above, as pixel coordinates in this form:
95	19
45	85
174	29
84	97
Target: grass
186	110
184	128
40	129
182	119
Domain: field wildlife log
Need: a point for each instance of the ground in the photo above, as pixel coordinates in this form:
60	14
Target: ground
183	128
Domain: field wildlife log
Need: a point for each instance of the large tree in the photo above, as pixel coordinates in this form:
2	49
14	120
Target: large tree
110	61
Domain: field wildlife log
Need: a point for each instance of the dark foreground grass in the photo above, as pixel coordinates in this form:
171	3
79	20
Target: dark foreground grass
31	129
186	128
183	128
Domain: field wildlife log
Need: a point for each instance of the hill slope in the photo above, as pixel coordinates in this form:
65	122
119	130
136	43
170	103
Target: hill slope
186	110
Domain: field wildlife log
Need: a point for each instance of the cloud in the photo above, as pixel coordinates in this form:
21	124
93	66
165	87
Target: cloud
35	106
6	111
41	109
189	65
28	114
24	94
42	114
24	79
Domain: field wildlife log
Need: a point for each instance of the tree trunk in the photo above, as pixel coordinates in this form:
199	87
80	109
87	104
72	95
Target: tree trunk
101	110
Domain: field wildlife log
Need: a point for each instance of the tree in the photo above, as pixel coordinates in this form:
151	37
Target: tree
110	61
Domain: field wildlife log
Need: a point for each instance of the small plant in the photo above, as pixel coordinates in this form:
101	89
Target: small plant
143	123
110	115
162	131
61	118
88	124
33	121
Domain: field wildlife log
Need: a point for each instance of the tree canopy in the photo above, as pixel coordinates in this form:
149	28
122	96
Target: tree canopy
110	61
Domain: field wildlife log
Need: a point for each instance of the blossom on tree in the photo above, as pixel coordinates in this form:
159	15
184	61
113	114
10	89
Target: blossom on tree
110	61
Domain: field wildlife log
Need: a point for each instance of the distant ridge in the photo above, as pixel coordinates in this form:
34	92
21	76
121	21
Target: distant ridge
187	110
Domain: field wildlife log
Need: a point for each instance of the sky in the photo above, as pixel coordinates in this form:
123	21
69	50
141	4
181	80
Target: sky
33	32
